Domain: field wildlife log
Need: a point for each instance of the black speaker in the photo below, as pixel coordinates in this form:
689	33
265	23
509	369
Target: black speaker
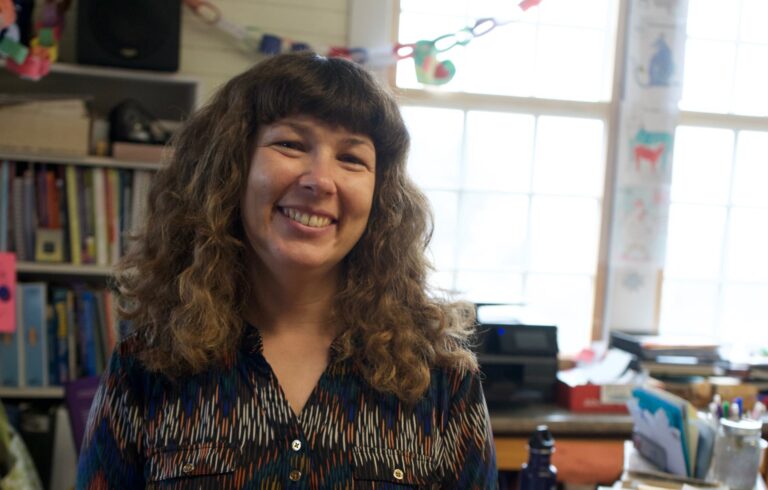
142	34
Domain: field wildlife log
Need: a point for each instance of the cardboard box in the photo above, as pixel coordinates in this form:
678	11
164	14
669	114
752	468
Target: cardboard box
591	398
61	127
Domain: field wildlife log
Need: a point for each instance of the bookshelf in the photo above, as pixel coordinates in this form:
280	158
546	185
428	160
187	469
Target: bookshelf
168	97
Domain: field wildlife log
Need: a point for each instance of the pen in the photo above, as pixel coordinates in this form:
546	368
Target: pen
734	415
738	402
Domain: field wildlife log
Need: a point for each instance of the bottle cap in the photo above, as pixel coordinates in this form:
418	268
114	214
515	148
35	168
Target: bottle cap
541	440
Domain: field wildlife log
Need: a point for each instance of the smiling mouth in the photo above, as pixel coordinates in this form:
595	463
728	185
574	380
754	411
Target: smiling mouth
306	219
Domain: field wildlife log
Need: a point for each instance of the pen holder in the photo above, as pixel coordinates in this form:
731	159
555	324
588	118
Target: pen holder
736	458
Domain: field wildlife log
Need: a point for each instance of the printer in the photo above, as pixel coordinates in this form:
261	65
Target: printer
518	362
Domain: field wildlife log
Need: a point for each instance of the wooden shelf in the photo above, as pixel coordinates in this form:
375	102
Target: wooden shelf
51	392
78	160
64	269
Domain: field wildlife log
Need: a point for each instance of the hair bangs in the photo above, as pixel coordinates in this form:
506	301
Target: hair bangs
335	92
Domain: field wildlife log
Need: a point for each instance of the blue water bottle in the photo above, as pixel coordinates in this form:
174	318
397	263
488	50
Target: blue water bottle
538	473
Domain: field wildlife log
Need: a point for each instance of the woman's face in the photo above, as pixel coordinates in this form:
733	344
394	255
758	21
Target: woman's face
309	194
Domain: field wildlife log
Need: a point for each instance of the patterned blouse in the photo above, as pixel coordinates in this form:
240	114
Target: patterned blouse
232	428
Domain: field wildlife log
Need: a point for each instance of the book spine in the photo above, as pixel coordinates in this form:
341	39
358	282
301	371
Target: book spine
34	320
54	217
29	213
62	334
100	216
87	217
126	195
42	196
87	333
5	184
73	336
18	218
113	213
75	244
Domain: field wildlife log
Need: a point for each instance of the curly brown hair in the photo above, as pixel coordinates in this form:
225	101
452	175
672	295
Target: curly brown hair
183	284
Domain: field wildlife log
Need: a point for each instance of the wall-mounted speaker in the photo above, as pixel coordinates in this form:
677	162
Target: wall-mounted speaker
141	34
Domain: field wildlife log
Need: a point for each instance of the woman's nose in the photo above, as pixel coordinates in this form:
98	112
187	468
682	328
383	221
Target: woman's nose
318	176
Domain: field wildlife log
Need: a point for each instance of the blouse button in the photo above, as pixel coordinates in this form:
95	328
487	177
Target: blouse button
398	474
296	445
188	468
294	475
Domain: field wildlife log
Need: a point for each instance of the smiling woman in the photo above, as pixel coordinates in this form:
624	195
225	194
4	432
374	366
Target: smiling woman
283	334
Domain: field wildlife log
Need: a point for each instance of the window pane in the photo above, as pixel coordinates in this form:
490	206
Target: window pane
708	77
489	286
701	165
442	248
747	245
567	12
753	16
436	136
571	54
694	241
447	7
481	71
566	301
564	234
569	156
688	308
751	172
751	80
493	229
713	20
744	313
499	151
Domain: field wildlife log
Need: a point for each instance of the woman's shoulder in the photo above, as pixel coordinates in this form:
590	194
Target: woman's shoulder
455	380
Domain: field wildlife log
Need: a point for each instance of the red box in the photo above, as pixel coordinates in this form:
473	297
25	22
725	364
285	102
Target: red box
586	398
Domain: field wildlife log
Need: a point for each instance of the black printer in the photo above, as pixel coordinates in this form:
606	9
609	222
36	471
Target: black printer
518	361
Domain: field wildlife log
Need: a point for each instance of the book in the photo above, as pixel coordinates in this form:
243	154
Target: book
61	345
100	215
35	325
29	213
89	346
5	193
113	214
73	215
79	396
9	358
650	347
7	292
18	218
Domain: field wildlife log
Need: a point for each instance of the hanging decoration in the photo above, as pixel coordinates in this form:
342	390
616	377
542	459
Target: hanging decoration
32	61
429	69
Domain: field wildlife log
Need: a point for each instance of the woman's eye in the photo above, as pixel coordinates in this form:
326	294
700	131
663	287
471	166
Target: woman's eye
290	145
348	158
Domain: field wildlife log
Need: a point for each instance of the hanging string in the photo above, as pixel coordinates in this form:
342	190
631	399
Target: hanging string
429	70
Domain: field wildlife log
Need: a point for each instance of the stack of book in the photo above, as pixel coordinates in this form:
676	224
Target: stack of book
668	356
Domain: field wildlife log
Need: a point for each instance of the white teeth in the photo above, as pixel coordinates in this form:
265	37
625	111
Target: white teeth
306	219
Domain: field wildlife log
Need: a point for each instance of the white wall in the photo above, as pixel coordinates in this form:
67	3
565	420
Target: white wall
212	56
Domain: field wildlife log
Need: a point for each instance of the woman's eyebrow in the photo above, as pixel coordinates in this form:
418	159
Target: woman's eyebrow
355	141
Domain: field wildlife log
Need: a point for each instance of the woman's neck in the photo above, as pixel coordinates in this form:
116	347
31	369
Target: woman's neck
299	303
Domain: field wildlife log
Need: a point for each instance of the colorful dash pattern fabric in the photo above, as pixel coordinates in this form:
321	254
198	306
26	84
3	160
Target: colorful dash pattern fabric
232	428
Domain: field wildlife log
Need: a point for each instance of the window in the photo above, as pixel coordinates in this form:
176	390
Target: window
716	273
515	175
512	154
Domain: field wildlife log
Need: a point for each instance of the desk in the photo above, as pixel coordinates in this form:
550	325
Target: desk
589	448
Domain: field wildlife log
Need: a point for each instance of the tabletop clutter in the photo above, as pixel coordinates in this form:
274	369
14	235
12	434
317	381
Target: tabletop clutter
721	446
